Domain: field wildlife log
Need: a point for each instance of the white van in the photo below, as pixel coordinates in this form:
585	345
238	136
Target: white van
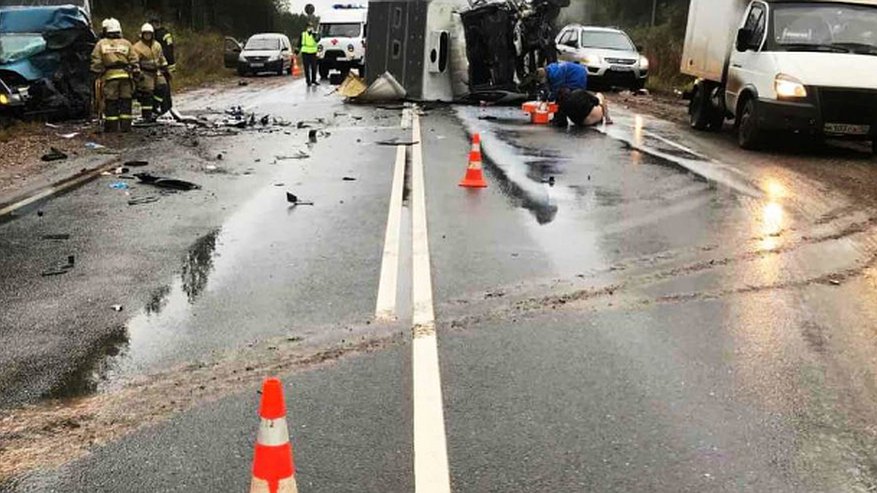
342	39
808	67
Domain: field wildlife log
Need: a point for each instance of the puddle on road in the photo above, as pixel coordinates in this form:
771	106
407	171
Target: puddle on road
111	354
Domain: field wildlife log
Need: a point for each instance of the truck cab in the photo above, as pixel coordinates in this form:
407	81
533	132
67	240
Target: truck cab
342	32
806	67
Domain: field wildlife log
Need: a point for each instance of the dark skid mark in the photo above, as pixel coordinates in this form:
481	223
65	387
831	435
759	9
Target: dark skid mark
93	368
544	213
198	265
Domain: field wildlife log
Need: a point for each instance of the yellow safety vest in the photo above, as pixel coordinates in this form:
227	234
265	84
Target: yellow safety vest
308	43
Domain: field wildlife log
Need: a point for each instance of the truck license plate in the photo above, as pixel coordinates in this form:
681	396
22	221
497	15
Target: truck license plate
846	129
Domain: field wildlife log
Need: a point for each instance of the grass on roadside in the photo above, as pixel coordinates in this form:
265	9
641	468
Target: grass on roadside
662	45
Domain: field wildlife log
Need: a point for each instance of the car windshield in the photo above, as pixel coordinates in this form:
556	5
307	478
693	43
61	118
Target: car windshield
263	44
347	30
825	27
14	47
606	40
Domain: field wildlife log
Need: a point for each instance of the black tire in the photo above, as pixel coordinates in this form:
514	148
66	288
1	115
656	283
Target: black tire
749	135
324	71
874	147
700	108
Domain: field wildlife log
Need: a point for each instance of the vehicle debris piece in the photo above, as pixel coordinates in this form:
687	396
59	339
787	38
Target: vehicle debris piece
397	142
61	269
384	88
167	183
119	185
348	178
312	136
149	199
294	200
265	120
300	154
117	308
94	146
68	136
54	155
136	164
57	237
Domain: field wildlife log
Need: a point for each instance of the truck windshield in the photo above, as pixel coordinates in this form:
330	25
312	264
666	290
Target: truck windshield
606	40
346	30
16	46
262	44
842	28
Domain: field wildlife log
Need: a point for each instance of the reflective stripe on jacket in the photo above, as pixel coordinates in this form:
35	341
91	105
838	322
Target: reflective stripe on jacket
151	56
113	58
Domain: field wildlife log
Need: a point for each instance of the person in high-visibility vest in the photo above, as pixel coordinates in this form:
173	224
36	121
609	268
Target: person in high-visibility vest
153	67
115	62
308	49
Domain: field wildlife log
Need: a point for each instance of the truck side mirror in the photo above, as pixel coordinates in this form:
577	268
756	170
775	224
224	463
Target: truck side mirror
744	38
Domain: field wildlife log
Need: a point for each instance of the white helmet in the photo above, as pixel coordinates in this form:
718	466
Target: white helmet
147	28
113	26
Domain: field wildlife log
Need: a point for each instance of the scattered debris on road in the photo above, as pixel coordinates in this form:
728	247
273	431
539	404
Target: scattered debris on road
117	308
119	185
54	154
149	199
168	183
294	200
397	142
56	237
61	269
136	164
348	178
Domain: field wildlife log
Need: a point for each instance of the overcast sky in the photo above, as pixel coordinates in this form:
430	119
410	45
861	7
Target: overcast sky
298	6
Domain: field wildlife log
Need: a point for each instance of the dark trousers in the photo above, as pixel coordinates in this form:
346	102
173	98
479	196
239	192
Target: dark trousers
310	63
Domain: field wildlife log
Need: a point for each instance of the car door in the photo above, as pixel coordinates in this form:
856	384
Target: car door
232	52
748	65
568	45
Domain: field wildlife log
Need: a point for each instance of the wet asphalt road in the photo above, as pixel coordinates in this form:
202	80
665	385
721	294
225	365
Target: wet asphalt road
670	315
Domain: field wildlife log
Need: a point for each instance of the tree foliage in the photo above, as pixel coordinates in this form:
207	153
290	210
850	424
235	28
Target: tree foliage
240	18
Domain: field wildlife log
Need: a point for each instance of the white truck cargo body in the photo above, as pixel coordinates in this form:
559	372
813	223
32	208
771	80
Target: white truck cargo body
708	39
802	66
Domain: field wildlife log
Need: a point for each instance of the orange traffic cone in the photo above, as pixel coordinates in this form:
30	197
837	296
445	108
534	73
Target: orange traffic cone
273	467
296	68
474	175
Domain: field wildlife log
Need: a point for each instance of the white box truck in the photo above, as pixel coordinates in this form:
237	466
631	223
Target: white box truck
807	67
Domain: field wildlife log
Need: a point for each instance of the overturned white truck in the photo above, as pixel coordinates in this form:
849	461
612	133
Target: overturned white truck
806	67
444	50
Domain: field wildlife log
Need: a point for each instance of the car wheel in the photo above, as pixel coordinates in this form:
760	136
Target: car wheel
749	135
698	108
324	71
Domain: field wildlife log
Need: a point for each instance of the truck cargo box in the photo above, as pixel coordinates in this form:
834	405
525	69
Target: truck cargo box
709	38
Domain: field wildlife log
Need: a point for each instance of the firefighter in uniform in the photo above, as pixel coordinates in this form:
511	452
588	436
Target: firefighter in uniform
153	68
114	61
166	40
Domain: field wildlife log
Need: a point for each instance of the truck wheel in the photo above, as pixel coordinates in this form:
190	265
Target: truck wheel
749	136
700	109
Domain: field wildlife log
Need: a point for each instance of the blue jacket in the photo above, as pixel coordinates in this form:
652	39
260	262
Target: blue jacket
566	75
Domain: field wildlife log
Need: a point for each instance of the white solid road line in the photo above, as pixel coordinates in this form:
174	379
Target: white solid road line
386	306
431	473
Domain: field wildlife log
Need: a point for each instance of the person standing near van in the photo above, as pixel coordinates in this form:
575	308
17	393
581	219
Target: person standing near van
308	49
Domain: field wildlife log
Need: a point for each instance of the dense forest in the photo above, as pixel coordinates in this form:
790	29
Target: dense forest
233	17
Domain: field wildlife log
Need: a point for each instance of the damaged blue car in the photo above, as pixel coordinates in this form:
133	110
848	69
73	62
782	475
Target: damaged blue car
44	61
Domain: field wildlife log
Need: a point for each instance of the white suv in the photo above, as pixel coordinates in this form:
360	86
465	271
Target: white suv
342	40
610	56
